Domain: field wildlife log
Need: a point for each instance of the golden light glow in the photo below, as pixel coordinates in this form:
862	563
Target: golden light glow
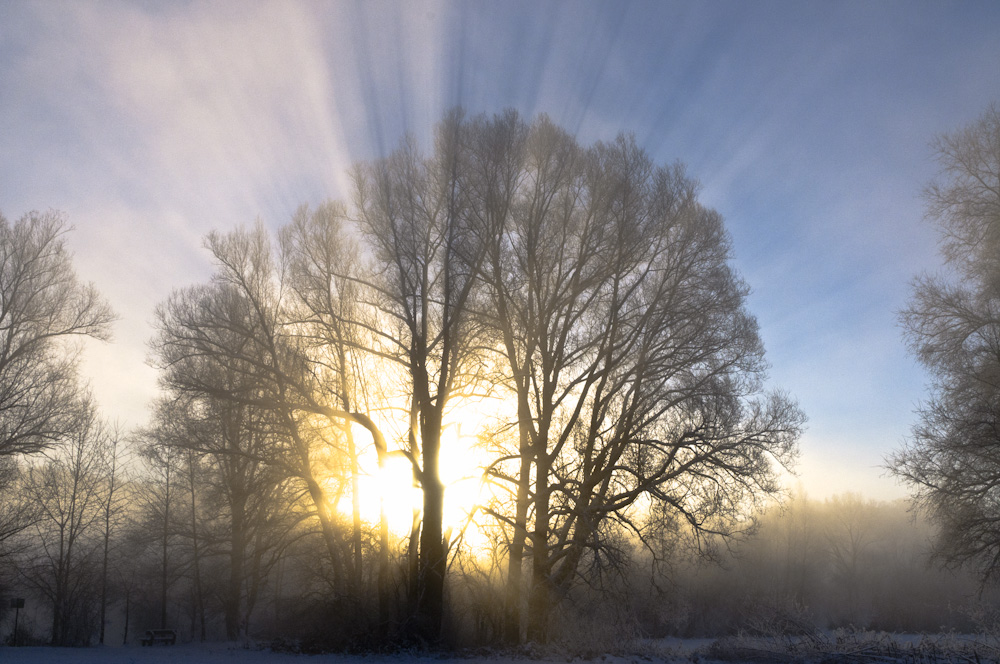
392	488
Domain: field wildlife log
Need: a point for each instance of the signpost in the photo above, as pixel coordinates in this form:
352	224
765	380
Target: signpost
17	604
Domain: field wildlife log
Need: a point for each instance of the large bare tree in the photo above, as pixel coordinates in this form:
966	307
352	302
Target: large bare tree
341	339
637	371
414	214
952	326
250	340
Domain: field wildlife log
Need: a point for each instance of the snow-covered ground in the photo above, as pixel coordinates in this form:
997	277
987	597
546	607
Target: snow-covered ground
861	647
222	653
225	653
182	654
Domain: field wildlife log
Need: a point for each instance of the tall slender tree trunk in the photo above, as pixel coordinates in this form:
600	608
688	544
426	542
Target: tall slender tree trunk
57	609
236	559
433	556
104	580
356	572
383	563
199	599
128	607
512	617
108	507
166	537
538	601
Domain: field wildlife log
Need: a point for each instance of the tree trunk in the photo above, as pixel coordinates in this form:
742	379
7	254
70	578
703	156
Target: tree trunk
104	582
166	537
512	617
383	564
356	572
413	569
538	600
199	600
128	606
433	557
352	449
56	619
318	497
236	558
108	507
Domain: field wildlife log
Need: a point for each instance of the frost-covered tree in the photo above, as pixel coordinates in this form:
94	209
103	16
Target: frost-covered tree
952	326
43	308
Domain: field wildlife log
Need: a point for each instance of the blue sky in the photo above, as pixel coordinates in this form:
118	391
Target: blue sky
808	123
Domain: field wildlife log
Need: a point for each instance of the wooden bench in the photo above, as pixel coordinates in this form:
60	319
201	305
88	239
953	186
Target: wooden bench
167	637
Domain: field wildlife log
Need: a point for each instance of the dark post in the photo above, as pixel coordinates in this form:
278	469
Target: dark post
17	604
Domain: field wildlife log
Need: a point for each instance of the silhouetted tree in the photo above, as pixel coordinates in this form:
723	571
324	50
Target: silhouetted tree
952	326
241	507
43	307
158	496
638	372
233	341
414	214
339	332
589	283
114	507
69	489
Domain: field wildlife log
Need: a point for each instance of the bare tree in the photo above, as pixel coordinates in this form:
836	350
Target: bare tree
69	489
43	307
158	496
952	326
414	215
114	506
637	371
589	283
233	341
323	266
241	507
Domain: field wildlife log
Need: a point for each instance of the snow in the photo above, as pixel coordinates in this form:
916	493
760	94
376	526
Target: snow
833	646
222	653
227	653
184	654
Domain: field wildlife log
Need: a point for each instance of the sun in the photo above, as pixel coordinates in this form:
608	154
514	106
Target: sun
392	490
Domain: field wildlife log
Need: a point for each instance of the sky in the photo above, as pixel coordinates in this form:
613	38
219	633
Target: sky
807	123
